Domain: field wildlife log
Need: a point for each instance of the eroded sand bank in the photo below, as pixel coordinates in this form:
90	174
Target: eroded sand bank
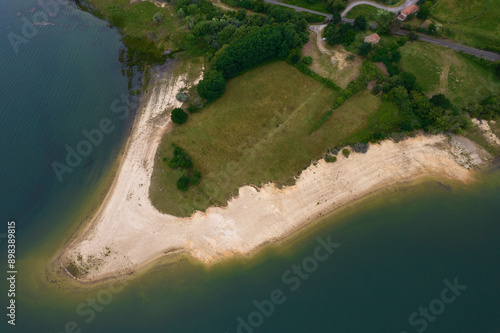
127	232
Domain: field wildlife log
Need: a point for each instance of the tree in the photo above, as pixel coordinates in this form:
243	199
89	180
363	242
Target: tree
424	13
241	14
178	116
158	18
336	18
335	5
332	35
225	35
399	95
183	183
181	159
181	13
212	86
433	29
360	23
365	48
348	37
408	80
346	152
442	101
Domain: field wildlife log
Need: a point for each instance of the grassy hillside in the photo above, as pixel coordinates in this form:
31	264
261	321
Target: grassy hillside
475	22
256	133
441	70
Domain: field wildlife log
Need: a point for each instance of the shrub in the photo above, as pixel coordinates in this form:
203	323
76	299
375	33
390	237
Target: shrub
178	116
158	18
346	152
331	159
397	137
350	57
212	86
307	60
193	108
195	179
414	36
294	58
181	97
377	89
360	147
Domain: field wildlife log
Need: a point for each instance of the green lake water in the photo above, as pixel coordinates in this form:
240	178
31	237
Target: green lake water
395	251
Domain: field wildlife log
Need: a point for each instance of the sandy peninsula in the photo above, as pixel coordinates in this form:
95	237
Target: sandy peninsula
127	231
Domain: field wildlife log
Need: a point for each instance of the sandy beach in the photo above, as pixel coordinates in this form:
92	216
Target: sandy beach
127	232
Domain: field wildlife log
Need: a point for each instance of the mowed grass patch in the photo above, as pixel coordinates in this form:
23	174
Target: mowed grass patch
441	70
342	71
475	22
257	132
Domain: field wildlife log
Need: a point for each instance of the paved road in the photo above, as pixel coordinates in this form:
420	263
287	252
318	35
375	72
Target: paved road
478	53
299	9
395	10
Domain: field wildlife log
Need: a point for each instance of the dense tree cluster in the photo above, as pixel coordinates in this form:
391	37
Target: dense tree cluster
418	111
256	47
389	54
339	34
488	109
237	41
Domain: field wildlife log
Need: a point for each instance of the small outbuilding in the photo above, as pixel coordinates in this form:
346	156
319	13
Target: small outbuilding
373	38
407	11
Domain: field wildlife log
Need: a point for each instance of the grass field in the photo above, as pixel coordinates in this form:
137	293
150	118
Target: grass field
475	22
441	70
136	20
342	71
256	133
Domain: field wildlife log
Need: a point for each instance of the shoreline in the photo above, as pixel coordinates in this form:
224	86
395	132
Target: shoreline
126	233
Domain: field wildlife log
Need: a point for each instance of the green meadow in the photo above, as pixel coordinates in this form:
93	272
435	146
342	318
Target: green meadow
257	132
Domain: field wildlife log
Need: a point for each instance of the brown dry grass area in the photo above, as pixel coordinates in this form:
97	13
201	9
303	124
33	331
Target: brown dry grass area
331	62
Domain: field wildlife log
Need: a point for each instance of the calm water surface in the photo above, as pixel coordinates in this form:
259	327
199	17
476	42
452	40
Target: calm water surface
395	251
